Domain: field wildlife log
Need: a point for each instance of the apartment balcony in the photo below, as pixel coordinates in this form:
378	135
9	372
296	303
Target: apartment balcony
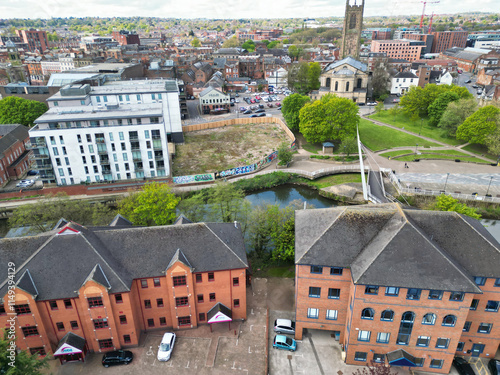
158	157
137	158
135	147
45	166
106	171
41	156
138	167
133	138
100	140
102	151
104	161
157	146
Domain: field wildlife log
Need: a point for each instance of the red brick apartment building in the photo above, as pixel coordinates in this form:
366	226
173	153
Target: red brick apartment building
444	40
14	152
405	287
399	49
124	37
109	284
35	39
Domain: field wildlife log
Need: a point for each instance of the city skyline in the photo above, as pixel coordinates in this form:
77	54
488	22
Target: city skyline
256	9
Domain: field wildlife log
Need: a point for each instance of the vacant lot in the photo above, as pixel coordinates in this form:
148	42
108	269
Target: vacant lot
218	149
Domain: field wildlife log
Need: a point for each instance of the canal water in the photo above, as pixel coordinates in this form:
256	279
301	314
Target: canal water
283	195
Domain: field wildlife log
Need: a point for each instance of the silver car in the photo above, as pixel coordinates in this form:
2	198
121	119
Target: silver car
284	326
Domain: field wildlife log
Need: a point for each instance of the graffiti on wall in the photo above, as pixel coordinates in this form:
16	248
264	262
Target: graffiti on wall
194	178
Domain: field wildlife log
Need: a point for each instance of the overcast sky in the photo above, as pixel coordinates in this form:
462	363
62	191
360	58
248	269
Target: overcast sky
230	8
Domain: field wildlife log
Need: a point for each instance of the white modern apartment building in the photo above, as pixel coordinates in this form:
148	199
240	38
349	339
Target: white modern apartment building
107	133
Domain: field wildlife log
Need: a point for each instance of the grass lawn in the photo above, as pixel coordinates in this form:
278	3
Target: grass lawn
313	148
275	271
336	179
430	156
402	152
480	150
403	121
377	137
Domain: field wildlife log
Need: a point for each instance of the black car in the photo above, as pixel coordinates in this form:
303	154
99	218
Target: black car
118	357
260	110
247	112
463	367
494	366
468	81
32	173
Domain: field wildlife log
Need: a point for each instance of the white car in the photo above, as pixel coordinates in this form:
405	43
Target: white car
166	346
25	183
284	326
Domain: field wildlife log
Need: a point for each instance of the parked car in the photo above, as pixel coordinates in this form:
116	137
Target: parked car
396	100
117	357
258	97
243	109
252	101
261	105
247	112
494	366
262	114
371	104
474	86
237	95
166	346
284	326
260	110
25	183
270	105
254	107
33	172
468	81
284	342
278	104
463	367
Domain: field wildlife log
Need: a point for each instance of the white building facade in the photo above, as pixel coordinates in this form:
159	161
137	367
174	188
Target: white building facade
402	82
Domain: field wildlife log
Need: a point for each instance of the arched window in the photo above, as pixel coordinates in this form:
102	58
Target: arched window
347	86
367	313
387	315
405	328
449	320
352	21
358	85
429	318
328	83
336	86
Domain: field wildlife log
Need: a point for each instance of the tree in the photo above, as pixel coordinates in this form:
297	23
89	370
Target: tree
196	42
329	118
249	45
154	205
375	369
479	125
231	43
285	154
438	106
313	76
298	77
291	107
379	107
44	213
448	203
272	44
14	110
349	146
19	362
455	114
492	141
380	80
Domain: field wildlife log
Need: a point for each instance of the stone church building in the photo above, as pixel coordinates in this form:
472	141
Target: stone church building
351	33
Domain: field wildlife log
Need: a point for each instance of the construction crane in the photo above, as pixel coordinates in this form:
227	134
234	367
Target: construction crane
430	23
425	2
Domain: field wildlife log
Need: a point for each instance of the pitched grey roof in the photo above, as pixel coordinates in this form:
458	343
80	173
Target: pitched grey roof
119	220
182	220
405	75
178	257
349	61
219	307
97	275
10	134
26	283
73	340
385	245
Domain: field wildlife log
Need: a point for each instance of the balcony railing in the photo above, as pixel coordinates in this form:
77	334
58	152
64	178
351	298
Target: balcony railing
41	156
100	140
157	146
102	151
136	158
133	137
45	167
104	162
158	157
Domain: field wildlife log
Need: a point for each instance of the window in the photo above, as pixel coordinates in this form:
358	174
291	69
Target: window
211	276
405	328
435	294
429	319
22	309
144	283
460	346
364	335
492	306
360	356
367	313
316	269
100	323
123	319
378	358
436	363
314	292
473	304
181	301
74	324
179	280
60	326
211	297
391	291
236	281
201	317
40	351
331	314
91	149
95	302
371	289
336	271
147	303
442	343
497	282
484	328
184	321
236	303
151	322
159	302
413	294
118	298
467	326
387	315
30	331
200	298
456	296
480	280
333	293
126	339
53	305
105	344
89	138
449	320
423	340
312	313
163	321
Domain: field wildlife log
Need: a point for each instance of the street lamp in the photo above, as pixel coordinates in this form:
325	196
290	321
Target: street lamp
487	191
446	182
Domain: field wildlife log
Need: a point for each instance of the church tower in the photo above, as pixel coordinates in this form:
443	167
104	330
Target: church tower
351	33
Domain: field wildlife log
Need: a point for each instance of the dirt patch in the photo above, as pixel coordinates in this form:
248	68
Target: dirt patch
218	149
